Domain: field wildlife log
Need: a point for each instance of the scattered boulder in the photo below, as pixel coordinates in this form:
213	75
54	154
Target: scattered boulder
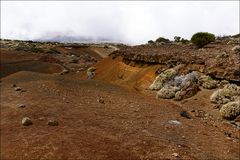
162	78
18	89
26	121
13	85
175	154
21	105
65	71
222	55
230	92
174	122
52	123
199	113
236	48
41	118
230	110
185	114
189	90
100	100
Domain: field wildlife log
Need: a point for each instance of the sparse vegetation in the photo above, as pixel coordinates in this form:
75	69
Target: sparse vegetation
117	89
162	78
201	39
150	42
229	93
162	39
207	82
180	39
177	39
53	51
230	110
36	50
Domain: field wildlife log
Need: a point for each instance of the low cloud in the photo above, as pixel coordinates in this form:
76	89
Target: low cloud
128	22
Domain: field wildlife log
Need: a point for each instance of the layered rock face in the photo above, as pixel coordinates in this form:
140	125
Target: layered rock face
219	60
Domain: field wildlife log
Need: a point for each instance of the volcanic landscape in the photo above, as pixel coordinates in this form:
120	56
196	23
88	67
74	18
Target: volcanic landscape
113	101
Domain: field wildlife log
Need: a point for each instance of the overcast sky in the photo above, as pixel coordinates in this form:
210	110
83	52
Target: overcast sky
129	22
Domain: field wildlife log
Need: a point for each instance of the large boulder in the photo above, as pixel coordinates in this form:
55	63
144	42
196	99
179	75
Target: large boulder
189	90
180	87
230	110
188	85
229	93
162	79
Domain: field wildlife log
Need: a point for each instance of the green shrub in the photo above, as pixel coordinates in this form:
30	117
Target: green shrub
162	39
36	50
53	51
177	39
236	35
201	39
150	42
184	40
180	39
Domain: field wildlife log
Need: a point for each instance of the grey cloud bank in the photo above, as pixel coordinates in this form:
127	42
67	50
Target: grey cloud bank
128	22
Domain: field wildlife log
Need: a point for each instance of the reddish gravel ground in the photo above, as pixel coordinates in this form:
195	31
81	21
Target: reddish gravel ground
128	125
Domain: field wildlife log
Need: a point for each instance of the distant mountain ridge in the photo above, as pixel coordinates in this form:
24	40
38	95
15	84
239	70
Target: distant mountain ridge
74	39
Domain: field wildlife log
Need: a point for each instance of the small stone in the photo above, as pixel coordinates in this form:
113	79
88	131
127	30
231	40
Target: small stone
175	155
21	106
65	71
18	89
227	134
185	114
52	123
41	118
236	48
217	106
175	122
26	121
100	100
13	85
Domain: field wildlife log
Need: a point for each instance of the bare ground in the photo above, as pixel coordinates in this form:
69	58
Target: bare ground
130	124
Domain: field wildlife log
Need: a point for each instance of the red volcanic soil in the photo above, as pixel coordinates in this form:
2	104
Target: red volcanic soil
113	116
128	125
